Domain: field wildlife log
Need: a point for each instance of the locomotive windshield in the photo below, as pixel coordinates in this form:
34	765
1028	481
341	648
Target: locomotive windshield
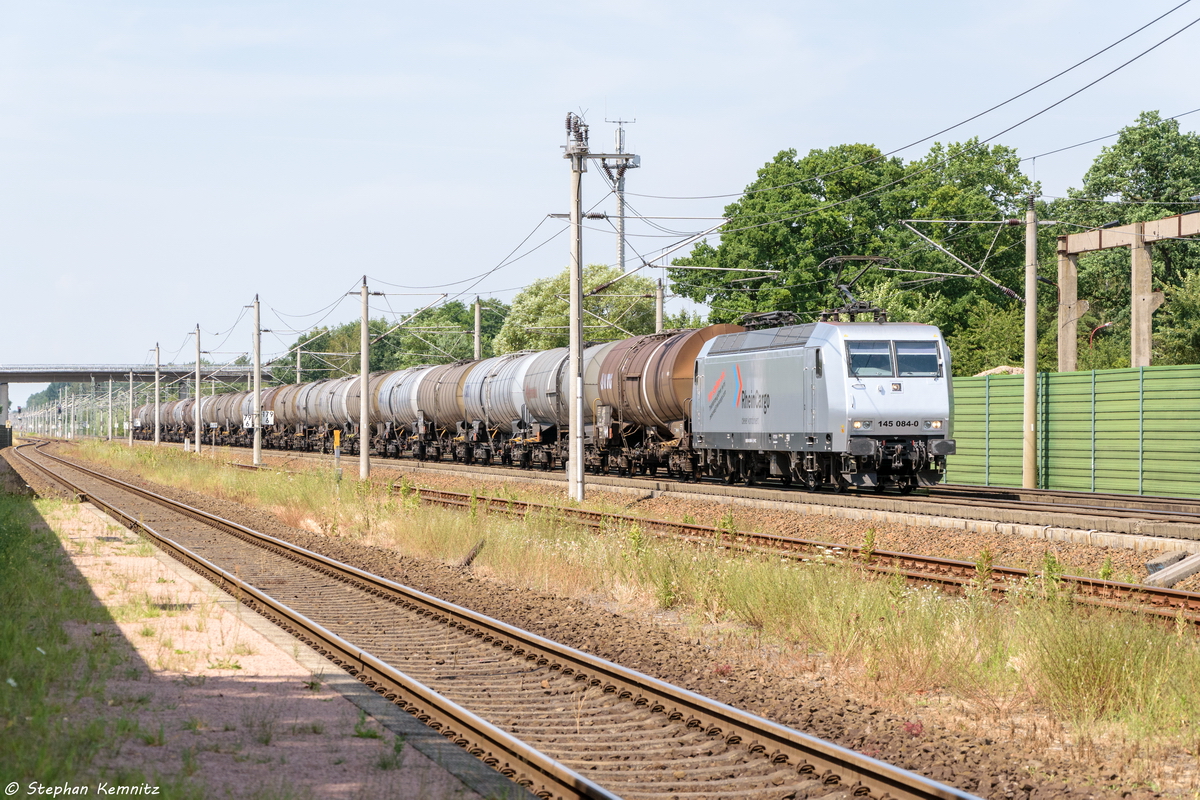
870	359
917	359
875	359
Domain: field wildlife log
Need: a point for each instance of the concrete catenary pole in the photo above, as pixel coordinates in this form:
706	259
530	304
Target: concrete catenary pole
257	386
478	329
298	364
364	389
1029	476
157	396
197	416
110	410
576	151
1141	300
129	420
659	298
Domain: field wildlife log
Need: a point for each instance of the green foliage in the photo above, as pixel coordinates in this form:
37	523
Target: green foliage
684	320
539	316
43	672
992	337
782	223
1178	340
363	728
434	336
848	200
1150	172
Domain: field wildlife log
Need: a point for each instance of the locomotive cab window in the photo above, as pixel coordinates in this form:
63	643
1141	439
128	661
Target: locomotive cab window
818	364
870	359
917	360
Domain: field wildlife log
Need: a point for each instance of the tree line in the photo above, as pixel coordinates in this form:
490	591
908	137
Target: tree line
849	200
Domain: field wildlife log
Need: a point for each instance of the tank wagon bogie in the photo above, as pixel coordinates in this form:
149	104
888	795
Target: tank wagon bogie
837	404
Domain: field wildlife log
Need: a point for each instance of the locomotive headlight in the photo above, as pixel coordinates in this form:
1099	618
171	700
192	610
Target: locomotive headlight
933	424
861	424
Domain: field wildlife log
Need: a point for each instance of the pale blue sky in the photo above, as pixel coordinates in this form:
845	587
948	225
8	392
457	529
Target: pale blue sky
163	162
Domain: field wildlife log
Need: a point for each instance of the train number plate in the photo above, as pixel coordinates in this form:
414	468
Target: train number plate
897	423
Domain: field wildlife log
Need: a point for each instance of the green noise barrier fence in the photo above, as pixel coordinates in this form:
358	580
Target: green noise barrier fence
1125	431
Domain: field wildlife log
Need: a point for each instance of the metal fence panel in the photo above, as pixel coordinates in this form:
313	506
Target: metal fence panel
1124	431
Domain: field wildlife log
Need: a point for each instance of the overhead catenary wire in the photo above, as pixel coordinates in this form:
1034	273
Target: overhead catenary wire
930	167
972	118
1099	139
807	212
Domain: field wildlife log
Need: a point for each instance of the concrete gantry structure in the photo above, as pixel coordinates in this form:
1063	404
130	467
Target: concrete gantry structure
1138	237
84	373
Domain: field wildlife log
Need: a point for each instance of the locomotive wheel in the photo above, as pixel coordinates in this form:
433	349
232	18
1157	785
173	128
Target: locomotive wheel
907	487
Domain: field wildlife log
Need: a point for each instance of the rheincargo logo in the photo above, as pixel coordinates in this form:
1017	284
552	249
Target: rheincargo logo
752	398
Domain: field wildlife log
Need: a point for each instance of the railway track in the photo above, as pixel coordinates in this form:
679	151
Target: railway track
944	572
1159	509
556	720
1137	515
1166	517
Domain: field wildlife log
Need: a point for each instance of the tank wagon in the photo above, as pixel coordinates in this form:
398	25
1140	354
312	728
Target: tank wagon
831	403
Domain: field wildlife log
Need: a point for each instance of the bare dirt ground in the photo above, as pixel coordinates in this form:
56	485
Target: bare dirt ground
205	697
1023	757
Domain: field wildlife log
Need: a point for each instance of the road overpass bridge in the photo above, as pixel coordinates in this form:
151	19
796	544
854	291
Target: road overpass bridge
86	373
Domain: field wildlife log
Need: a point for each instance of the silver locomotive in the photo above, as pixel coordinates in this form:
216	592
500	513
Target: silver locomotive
863	404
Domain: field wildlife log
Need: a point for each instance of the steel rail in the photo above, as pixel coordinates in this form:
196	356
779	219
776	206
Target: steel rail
1186	507
811	757
495	747
1151	509
954	497
948	572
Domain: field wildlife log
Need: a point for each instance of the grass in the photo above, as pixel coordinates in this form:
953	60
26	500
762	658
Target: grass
261	720
365	729
1094	672
41	670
